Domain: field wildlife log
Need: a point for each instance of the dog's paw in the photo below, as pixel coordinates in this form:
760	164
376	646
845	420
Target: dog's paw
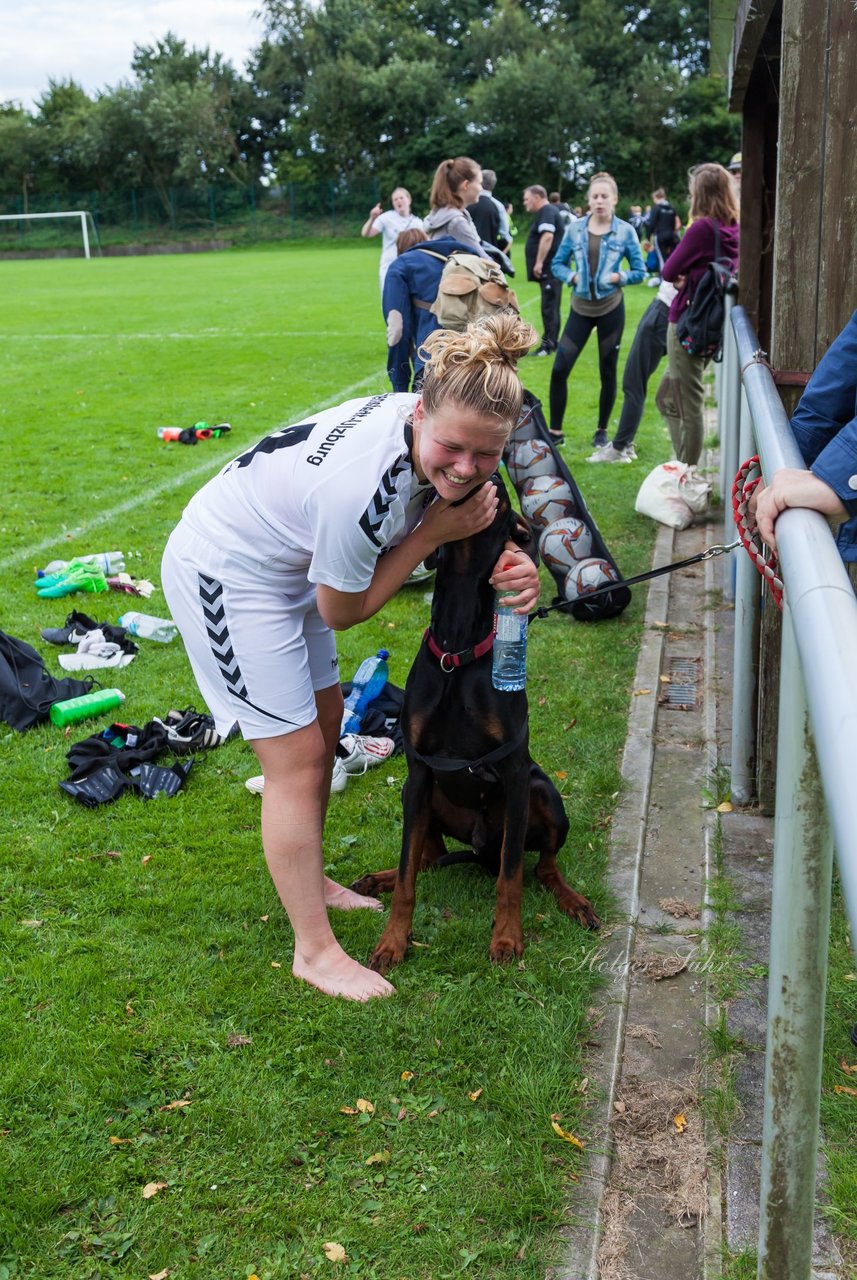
375	882
388	953
505	950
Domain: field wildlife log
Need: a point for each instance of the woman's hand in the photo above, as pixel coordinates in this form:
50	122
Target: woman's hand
791	487
375	213
444	521
515	571
614	278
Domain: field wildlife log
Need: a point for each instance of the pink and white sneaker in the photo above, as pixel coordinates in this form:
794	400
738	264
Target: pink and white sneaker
357	752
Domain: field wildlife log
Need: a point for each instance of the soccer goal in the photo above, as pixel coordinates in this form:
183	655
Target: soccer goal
87	224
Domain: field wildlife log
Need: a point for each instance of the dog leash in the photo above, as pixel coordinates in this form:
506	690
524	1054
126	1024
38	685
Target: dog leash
718	549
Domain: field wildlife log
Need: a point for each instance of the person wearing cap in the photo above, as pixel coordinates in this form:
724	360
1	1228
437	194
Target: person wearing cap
734	167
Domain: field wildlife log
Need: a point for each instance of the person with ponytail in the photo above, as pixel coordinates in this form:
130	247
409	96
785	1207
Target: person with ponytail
309	532
457	183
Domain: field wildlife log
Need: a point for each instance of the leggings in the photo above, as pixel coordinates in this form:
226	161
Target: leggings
574	336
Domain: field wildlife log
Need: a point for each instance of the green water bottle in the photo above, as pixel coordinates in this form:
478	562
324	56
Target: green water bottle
88	704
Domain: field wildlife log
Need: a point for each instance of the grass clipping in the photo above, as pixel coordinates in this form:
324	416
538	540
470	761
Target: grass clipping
660	1156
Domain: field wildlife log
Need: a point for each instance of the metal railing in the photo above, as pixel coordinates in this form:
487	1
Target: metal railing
816	802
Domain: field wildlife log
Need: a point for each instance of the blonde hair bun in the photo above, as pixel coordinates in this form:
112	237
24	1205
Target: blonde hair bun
477	369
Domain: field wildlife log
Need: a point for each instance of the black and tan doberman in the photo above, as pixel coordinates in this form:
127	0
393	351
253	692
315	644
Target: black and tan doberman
470	773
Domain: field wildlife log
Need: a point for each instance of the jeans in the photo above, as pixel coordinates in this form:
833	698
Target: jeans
647	351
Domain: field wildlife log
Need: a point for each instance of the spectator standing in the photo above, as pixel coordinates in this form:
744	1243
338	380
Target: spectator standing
713	201
734	167
390	225
647	351
457	183
489	214
598	244
545	236
635	217
409	290
663	225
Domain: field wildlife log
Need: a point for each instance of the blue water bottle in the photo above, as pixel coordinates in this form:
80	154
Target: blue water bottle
509	669
369	679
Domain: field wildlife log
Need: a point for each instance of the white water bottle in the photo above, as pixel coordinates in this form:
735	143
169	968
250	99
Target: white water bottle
509	666
109	562
147	627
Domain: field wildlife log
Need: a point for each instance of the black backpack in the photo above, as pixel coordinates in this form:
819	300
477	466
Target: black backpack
700	325
27	689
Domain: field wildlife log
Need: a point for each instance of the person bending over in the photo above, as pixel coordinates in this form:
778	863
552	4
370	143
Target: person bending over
312	531
598	244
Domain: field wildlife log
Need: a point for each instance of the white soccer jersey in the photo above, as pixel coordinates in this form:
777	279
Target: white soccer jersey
321	499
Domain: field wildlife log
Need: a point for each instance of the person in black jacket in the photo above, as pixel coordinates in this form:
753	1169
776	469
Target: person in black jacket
663	225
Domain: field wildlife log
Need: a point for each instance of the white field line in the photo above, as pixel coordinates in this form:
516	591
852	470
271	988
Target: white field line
200	335
56	541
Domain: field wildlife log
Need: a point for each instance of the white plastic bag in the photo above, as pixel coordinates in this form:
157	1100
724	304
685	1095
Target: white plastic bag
673	494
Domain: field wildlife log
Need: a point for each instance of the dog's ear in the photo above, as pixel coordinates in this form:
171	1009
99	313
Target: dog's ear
523	535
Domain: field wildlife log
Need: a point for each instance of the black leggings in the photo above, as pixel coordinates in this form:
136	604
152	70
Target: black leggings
574	336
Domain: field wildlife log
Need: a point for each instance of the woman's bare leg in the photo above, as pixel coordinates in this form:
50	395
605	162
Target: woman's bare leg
297	779
329	705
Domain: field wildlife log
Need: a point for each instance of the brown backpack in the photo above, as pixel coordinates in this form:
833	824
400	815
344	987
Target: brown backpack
470	288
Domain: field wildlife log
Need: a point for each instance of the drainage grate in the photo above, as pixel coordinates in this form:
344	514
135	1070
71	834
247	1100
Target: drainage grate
681	691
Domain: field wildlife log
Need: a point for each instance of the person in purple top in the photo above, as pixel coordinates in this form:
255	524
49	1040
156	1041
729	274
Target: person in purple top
713	200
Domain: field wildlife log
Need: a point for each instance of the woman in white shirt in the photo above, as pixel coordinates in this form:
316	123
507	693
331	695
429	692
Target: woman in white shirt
390	225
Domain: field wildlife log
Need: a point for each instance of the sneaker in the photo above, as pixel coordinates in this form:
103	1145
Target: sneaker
338	781
608	453
600	439
76	627
357	752
543	351
420	573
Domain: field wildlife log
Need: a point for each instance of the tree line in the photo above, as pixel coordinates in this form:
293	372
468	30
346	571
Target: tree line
348	90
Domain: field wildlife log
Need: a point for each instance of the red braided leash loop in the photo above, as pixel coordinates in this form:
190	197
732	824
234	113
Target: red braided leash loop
744	486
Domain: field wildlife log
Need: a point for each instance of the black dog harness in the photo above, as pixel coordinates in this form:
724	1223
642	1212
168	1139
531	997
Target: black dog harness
448	663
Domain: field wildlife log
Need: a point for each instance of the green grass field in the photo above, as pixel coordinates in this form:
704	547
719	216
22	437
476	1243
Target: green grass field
140	939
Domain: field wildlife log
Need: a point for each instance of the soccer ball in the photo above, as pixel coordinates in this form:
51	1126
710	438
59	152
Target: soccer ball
586	576
529	458
545	499
565	542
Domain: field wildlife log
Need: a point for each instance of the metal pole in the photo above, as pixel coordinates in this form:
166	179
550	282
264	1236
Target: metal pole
745	656
85	234
730	413
800	925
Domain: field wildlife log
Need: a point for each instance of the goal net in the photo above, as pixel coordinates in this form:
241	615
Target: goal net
33	231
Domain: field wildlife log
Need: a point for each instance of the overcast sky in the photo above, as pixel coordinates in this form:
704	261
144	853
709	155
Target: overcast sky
92	42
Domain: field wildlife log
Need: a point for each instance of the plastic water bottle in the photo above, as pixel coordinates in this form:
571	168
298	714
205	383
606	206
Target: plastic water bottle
87	704
509	669
369	679
147	627
109	562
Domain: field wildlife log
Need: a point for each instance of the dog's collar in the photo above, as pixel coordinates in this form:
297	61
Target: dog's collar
449	661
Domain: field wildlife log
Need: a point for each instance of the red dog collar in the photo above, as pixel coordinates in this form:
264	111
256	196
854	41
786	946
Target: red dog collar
449	661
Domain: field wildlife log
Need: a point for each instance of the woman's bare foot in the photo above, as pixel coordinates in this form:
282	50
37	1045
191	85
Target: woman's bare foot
336	895
336	974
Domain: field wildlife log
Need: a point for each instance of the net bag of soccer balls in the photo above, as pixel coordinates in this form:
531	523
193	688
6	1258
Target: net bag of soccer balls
570	542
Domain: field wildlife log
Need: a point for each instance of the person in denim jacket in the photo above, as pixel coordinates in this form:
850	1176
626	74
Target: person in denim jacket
825	429
598	244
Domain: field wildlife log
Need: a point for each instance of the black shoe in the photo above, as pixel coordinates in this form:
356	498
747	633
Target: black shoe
556	437
189	730
600	438
76	627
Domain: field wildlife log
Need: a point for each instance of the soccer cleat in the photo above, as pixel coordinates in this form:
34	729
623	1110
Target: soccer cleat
77	577
338	781
357	752
190	730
